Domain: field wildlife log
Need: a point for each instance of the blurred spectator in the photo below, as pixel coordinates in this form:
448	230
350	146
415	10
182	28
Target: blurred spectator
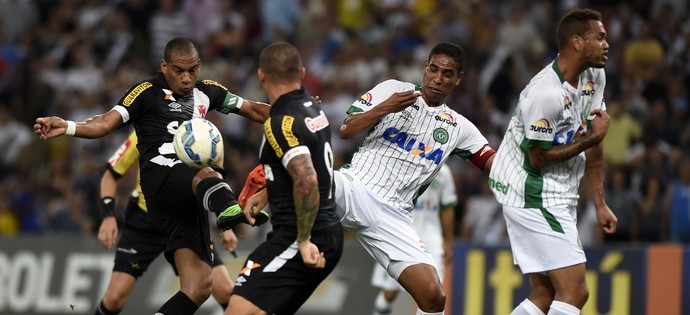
643	54
166	23
622	201
17	17
482	221
201	14
679	204
279	18
15	138
9	224
623	132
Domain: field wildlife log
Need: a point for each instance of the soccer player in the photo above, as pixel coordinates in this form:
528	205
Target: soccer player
553	139
434	218
141	241
307	239
156	107
410	134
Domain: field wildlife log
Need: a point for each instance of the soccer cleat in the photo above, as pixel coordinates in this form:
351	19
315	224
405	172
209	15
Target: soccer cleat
256	181
234	215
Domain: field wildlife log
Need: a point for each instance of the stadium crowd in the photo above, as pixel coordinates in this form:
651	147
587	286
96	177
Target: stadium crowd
74	58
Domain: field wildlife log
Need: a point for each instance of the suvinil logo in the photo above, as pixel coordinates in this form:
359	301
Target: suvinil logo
410	144
446	118
542	125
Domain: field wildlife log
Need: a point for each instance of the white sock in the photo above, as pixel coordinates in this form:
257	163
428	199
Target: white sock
420	312
562	308
527	308
381	305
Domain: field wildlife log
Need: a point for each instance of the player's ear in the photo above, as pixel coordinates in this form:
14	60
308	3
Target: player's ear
302	73
461	74
260	75
164	66
577	42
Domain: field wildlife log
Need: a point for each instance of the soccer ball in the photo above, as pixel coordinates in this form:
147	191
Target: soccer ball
198	143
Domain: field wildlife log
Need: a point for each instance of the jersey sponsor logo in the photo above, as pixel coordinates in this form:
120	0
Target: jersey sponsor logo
240	280
415	106
542	125
129	99
410	144
406	115
271	138
202	110
567	103
446	118
308	104
569	136
317	123
366	99
175	107
588	90
211	82
498	186
286	127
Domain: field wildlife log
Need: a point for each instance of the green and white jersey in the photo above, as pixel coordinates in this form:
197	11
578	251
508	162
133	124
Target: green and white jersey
404	151
426	217
550	112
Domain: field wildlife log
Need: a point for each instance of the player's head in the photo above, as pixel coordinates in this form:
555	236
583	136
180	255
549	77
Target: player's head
180	65
280	63
442	72
581	31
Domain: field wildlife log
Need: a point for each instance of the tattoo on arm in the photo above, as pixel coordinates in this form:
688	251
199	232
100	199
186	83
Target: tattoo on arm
306	193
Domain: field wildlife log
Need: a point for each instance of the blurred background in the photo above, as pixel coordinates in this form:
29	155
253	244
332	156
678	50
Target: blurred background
75	59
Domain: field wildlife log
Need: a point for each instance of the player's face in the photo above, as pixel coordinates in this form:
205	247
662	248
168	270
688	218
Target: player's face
441	75
181	72
596	47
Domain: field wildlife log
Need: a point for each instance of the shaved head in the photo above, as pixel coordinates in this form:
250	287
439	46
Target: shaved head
281	63
181	46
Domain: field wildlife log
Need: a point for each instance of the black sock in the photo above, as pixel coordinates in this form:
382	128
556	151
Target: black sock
178	304
101	310
224	306
215	195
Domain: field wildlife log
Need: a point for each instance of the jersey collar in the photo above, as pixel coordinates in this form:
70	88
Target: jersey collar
554	65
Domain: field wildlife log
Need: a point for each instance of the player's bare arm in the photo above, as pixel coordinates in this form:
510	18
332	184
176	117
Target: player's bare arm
540	158
357	123
595	178
108	231
94	127
306	194
256	111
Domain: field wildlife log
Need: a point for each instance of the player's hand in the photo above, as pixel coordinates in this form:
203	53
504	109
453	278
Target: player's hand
607	219
107	233
600	124
254	204
49	127
229	240
311	256
399	101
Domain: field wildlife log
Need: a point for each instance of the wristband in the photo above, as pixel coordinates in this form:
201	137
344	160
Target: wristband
71	128
108	207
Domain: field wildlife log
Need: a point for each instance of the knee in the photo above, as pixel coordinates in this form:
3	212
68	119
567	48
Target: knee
115	300
575	295
202	174
198	291
221	291
434	300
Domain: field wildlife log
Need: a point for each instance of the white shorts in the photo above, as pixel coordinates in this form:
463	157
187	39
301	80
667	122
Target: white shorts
388	234
544	239
381	279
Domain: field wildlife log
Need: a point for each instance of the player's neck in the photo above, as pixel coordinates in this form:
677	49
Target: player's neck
570	67
275	90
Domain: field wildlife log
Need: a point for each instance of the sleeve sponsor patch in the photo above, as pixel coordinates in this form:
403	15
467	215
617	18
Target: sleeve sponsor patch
129	99
271	138
286	127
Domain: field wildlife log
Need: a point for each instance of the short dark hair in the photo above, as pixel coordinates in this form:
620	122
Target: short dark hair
451	50
281	62
575	22
181	46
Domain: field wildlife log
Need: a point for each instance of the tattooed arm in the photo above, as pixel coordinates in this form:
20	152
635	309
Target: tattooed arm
306	195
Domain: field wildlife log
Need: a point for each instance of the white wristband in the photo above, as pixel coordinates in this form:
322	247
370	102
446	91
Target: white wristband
71	128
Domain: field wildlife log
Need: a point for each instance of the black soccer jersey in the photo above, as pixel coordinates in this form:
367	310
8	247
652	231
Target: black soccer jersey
297	125
156	112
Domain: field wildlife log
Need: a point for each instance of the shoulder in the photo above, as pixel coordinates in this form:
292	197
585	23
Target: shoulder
597	75
203	84
393	86
139	90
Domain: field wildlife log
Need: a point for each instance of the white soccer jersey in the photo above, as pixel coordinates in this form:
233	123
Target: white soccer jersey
550	112
405	150
426	217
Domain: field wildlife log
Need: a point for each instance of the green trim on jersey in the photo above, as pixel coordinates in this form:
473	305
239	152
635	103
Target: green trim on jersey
230	104
449	205
354	109
420	191
553	222
463	154
534	183
554	65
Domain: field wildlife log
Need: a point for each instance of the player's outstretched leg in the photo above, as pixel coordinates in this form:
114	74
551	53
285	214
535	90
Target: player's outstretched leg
216	196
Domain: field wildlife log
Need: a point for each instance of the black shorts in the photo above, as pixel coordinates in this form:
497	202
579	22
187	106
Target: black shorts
141	242
174	209
275	278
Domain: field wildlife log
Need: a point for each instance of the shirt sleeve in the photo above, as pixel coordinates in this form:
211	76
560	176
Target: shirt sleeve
283	134
539	114
598	101
133	104
220	98
125	157
378	94
473	145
